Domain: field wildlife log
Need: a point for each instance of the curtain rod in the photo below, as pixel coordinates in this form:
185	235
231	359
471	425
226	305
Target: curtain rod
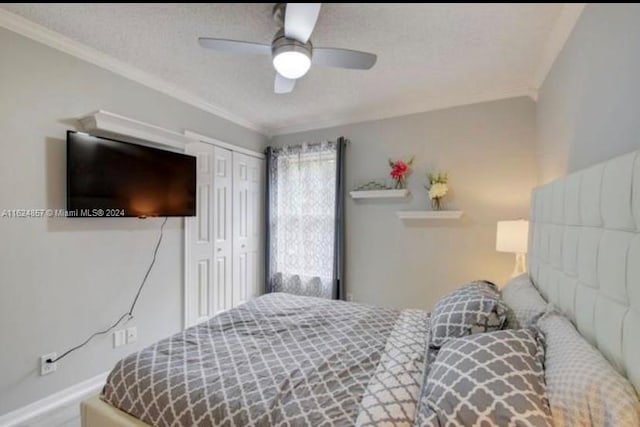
312	144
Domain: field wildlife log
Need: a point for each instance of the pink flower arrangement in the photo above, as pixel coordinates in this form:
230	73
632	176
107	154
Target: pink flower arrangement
399	170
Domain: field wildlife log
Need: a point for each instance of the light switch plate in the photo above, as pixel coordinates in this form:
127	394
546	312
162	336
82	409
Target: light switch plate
132	334
119	338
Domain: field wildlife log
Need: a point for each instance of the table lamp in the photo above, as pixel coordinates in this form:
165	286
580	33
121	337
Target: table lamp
512	237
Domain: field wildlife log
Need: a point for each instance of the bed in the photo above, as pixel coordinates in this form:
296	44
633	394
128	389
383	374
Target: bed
282	359
279	359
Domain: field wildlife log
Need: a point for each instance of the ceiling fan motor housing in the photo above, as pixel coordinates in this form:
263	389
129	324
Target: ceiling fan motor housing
291	48
283	44
278	13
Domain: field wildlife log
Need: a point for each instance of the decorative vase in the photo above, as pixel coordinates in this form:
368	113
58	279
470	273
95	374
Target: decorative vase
401	183
436	204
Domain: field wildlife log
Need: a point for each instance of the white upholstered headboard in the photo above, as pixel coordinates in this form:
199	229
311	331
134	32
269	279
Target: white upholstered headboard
584	255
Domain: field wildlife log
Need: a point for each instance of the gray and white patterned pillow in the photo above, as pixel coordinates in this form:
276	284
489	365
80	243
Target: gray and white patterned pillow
474	308
583	388
524	301
492	379
391	396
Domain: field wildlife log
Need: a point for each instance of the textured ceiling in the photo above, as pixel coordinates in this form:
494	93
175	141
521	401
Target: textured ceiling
426	52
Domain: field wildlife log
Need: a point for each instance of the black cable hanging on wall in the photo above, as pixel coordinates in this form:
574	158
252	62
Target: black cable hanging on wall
128	314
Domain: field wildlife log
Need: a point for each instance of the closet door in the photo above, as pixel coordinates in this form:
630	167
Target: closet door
199	239
256	217
247	200
222	230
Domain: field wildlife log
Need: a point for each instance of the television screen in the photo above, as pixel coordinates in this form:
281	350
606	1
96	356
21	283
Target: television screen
109	178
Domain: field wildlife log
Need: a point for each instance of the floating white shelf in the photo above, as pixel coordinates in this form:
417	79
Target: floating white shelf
380	194
429	214
104	123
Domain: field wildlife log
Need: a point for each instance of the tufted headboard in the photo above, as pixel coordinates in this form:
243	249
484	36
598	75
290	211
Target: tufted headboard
584	255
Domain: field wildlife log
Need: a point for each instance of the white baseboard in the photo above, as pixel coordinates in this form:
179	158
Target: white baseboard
43	411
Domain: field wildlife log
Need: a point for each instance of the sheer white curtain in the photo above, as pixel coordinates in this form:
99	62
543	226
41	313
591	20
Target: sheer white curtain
302	209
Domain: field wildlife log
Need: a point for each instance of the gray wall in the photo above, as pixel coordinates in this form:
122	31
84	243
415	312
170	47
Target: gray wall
589	105
488	150
61	279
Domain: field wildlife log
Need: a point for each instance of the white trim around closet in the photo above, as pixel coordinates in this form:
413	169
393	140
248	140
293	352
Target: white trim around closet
214	144
203	138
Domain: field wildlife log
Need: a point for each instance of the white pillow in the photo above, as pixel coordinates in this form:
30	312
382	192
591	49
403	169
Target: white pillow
524	302
583	388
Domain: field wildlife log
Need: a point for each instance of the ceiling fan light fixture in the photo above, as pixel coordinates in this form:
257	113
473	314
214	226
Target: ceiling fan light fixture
291	61
291	49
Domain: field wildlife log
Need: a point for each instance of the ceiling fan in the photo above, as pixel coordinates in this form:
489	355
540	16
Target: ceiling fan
291	50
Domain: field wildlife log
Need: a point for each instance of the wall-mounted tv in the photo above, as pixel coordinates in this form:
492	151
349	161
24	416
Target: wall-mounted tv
109	178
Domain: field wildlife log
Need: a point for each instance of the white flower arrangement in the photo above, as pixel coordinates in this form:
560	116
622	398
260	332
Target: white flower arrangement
438	188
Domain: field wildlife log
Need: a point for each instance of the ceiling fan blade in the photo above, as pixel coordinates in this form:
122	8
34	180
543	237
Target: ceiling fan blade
235	46
300	19
343	58
283	84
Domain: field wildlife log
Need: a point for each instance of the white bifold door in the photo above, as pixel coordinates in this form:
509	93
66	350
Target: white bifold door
247	188
223	241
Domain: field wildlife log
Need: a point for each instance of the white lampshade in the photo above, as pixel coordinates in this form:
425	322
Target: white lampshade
512	236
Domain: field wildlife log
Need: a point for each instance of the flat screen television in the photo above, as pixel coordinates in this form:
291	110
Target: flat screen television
109	178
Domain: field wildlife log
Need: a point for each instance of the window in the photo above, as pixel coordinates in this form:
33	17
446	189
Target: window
302	220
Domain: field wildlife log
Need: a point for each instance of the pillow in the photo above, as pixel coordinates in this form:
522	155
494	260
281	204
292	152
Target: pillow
584	389
524	302
476	307
492	379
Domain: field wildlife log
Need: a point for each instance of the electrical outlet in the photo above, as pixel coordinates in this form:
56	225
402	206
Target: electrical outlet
349	297
45	367
132	335
119	338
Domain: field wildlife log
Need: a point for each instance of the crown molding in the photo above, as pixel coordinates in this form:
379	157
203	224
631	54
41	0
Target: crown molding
403	109
562	29
53	39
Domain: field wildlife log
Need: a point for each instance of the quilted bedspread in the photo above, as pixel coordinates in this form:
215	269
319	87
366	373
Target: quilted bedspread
280	360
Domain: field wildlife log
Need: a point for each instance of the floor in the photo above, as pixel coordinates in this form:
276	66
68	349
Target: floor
66	416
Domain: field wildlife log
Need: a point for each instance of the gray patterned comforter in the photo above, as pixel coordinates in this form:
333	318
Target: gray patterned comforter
279	360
